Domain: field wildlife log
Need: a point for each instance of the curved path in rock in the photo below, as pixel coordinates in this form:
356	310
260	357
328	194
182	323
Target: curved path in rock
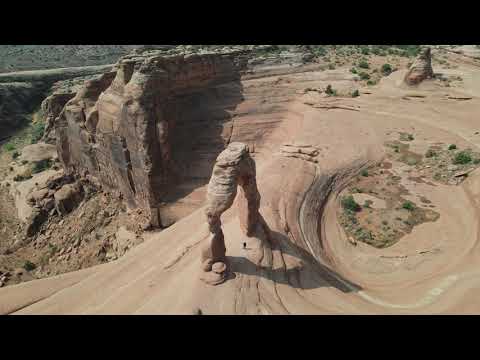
309	267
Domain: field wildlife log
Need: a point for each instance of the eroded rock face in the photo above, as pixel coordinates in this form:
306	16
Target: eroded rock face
118	128
51	107
234	167
421	69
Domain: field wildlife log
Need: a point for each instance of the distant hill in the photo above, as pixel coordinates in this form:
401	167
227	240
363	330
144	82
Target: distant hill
36	57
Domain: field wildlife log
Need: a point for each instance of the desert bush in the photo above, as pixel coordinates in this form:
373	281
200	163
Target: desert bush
363	64
452	147
41	165
330	91
408	205
349	203
386	69
15	154
9	146
462	158
37	131
29	266
353	70
364	172
364	76
355	93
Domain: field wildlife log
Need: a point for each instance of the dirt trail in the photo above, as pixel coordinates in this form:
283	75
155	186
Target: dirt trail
310	267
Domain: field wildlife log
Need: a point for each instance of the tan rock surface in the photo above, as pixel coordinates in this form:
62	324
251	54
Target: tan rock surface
308	266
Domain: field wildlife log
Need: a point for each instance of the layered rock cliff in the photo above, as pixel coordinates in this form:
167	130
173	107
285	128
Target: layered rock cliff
119	129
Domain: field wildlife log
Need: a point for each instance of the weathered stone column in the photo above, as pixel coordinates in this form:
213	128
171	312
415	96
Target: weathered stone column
421	69
233	167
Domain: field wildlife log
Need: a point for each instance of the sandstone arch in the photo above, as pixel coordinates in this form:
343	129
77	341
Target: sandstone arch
233	167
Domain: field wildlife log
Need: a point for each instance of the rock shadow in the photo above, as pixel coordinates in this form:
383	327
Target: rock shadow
309	275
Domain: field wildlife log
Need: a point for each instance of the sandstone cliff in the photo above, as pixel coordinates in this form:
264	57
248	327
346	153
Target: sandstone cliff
119	129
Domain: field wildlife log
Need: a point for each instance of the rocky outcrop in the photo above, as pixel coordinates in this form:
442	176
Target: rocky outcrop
234	167
421	69
51	108
118	128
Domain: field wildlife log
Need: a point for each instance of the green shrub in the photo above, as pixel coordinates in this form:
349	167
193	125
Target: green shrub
353	71
29	266
462	158
349	203
452	147
363	64
364	172
41	165
408	205
330	91
365	51
386	69
371	82
355	93
37	132
364	76
15	154
9	146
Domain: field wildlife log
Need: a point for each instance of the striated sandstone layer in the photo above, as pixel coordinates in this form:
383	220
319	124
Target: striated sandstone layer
120	128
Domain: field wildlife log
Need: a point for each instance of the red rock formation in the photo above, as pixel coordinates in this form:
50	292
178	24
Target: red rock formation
118	128
234	167
421	69
51	107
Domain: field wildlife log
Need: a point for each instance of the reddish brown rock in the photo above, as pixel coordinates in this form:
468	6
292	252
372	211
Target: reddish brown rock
234	167
119	129
51	107
421	69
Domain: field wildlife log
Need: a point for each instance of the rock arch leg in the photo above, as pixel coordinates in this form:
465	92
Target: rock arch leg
234	167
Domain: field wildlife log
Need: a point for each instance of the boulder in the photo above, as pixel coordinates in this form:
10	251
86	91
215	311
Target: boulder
67	198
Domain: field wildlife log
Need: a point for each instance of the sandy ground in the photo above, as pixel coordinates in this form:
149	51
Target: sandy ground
309	267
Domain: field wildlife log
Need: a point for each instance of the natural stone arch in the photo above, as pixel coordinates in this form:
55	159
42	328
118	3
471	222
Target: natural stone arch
234	167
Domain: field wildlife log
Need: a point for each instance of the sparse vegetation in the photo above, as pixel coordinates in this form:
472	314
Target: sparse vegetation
15	154
349	203
9	146
37	131
41	166
364	76
353	71
462	158
364	172
452	147
408	205
363	64
29	266
355	93
330	91
386	69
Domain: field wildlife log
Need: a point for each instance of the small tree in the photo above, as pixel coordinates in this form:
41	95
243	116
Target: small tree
386	69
